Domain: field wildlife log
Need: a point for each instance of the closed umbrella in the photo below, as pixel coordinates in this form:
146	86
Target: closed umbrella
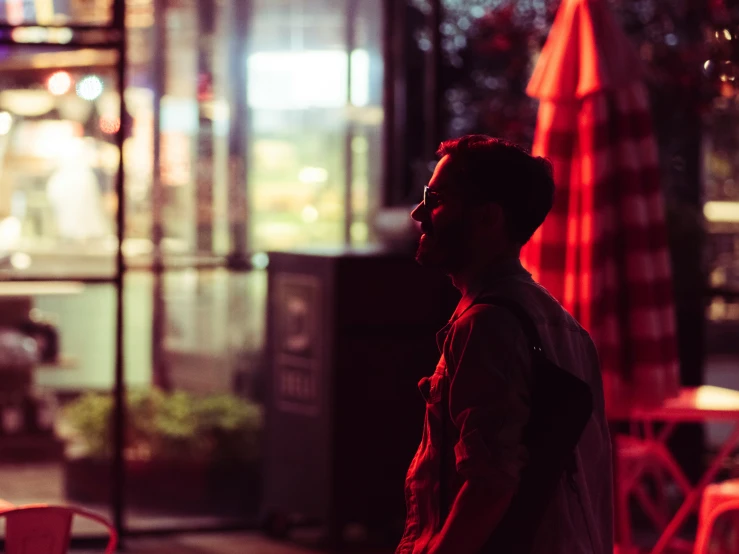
603	249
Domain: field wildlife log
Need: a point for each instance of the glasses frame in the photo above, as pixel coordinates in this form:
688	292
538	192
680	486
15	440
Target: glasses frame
431	199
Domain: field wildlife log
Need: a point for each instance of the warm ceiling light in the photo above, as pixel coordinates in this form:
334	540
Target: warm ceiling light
6	122
90	88
59	83
721	212
110	125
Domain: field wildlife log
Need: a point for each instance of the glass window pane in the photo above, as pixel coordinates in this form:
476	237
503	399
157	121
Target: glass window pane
54	404
197	417
193	338
59	112
57	12
194	120
298	95
721	210
366	142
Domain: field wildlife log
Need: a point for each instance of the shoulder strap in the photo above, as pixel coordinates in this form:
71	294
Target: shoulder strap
524	319
532	335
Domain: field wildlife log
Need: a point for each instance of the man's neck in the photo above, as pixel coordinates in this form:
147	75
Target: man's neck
468	278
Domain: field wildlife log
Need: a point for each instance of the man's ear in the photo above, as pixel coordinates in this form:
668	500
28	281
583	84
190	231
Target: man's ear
492	215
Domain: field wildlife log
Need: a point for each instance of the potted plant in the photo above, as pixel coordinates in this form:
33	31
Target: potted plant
183	452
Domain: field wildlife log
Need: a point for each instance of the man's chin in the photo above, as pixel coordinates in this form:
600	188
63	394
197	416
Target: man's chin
430	258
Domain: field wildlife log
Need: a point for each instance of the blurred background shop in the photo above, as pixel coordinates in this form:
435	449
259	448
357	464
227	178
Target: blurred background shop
258	126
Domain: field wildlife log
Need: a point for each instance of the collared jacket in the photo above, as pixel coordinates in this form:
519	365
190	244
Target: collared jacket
486	363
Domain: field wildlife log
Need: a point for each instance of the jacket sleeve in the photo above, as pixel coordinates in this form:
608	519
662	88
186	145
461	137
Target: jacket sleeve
489	364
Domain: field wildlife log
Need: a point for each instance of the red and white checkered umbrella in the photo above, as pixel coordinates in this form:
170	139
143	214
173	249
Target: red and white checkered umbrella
603	249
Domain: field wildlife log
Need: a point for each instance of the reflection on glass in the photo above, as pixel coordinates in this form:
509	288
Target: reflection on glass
56	12
214	328
721	209
303	107
58	162
213	355
63	106
195	123
195	414
66	334
307	79
193	338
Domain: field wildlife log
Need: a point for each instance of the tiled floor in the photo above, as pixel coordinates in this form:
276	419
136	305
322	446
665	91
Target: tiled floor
44	483
28	483
221	543
233	543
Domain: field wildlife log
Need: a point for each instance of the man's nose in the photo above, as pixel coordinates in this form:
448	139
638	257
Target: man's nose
419	213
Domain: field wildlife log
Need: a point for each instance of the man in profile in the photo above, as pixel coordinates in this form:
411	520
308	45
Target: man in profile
484	202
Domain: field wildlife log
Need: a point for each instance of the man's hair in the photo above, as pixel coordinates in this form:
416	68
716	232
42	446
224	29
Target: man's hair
494	170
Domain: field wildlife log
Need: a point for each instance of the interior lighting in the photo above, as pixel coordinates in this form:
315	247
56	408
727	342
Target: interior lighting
59	83
725	212
90	88
110	125
6	121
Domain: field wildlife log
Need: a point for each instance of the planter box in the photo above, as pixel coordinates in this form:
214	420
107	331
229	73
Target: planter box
181	487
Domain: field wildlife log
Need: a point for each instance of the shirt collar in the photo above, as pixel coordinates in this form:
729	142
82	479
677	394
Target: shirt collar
486	282
502	270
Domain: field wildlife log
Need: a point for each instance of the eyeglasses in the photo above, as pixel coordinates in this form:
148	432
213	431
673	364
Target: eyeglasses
431	199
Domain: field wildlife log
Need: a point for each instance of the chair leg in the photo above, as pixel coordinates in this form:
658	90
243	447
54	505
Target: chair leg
661	493
659	520
661	503
727	543
675	472
704	535
734	533
624	520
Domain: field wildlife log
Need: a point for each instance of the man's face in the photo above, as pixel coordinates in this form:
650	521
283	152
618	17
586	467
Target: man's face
445	240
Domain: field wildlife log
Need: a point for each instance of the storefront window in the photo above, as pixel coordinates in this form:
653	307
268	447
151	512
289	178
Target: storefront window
58	161
194	119
314	105
367	117
245	136
56	12
42	433
721	211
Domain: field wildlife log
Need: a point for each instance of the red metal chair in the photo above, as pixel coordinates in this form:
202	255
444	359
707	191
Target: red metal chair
718	499
45	529
638	459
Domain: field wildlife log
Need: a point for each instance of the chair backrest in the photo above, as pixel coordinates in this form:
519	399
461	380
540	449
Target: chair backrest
46	529
704	532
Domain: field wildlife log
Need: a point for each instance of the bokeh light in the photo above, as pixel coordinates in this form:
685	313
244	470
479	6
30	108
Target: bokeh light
59	83
726	71
20	260
312	175
709	68
6	121
110	125
90	87
309	214
260	260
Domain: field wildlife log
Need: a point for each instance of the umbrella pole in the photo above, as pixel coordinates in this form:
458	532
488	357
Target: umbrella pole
621	530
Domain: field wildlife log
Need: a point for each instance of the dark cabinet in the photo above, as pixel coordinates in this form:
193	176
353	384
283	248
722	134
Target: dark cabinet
350	333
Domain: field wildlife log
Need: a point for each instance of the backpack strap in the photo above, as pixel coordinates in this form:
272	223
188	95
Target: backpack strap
527	324
534	340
